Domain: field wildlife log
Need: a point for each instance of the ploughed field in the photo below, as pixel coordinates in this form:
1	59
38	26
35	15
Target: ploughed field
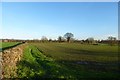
68	60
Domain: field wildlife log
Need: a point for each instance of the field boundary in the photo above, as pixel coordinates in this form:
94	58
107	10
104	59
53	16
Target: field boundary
10	57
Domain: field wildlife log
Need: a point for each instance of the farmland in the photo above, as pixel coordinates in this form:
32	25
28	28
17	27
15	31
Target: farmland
70	40
74	51
68	60
5	45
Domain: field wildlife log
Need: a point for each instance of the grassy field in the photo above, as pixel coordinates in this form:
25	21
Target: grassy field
0	46
68	60
74	51
5	45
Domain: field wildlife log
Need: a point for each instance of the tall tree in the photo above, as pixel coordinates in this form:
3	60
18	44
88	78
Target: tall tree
68	36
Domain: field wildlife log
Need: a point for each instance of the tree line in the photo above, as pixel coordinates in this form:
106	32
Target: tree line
69	37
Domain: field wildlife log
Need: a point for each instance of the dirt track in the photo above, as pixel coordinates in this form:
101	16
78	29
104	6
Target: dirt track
9	59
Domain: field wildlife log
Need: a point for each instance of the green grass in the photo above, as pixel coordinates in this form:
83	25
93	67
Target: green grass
74	51
36	65
60	60
5	45
0	46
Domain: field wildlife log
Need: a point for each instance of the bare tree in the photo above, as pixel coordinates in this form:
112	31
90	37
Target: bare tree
44	39
60	39
50	40
68	36
111	40
90	40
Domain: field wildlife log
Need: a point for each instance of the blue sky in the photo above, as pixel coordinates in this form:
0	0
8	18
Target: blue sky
30	20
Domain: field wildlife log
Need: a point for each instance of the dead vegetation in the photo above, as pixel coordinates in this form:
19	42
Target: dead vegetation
9	59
